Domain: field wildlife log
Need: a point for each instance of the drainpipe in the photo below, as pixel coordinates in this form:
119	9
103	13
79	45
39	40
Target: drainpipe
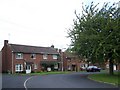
12	63
62	60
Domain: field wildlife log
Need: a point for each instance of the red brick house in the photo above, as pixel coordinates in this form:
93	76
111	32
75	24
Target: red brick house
116	66
24	58
72	63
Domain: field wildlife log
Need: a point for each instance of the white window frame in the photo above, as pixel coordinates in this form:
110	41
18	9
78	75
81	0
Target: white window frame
18	67
34	56
35	66
45	56
55	57
19	55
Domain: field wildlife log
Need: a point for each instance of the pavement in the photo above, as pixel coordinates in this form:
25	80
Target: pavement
73	80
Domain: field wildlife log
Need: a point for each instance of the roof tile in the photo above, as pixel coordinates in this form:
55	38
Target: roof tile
32	49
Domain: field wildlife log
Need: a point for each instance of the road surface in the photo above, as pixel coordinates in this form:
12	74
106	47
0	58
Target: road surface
72	80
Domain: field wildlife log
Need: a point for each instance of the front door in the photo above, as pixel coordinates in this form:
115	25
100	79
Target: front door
28	68
73	67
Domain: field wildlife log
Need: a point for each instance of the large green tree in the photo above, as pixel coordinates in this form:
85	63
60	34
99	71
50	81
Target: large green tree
95	34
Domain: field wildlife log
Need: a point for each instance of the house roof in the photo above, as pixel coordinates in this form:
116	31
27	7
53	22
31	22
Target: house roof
32	49
70	55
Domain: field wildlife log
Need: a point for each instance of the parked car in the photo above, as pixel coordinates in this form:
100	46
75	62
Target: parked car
83	68
93	69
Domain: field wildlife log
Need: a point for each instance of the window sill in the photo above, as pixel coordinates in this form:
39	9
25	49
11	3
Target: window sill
19	58
33	58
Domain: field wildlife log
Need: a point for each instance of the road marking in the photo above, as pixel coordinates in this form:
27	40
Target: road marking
26	82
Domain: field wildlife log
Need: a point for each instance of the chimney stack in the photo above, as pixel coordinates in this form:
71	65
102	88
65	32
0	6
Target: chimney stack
5	42
60	51
52	46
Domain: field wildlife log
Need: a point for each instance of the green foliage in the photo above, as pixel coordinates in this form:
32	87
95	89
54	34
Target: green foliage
96	33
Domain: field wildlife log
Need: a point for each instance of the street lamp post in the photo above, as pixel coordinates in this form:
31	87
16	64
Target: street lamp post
62	58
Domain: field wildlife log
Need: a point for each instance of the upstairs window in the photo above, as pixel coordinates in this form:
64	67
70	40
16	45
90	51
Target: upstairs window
19	55
45	56
55	57
33	56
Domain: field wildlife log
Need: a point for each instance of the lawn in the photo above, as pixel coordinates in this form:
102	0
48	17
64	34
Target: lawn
47	73
105	77
44	73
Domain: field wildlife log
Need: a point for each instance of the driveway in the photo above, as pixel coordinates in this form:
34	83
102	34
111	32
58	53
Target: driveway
73	80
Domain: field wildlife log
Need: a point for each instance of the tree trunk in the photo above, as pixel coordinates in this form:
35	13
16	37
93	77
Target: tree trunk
110	63
111	67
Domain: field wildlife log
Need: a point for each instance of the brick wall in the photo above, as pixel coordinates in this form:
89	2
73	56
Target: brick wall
118	67
27	58
6	57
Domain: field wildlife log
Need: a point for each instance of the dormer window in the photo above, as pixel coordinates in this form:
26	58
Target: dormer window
33	56
19	55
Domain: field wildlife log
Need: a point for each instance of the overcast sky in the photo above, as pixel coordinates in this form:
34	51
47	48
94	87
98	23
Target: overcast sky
38	22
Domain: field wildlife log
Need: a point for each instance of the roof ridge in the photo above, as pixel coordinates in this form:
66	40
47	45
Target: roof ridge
32	49
30	46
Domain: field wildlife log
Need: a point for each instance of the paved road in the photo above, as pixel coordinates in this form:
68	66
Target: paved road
74	80
13	81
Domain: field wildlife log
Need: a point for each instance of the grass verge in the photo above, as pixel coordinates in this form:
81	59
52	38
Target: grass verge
44	73
105	77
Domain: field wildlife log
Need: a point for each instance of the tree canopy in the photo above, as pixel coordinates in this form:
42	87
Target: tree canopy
96	33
